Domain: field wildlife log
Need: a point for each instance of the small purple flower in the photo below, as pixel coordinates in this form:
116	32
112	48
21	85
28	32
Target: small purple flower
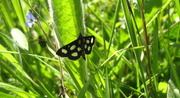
30	20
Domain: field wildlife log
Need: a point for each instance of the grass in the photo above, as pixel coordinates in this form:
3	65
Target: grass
136	53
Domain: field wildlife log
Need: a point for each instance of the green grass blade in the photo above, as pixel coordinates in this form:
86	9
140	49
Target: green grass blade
19	12
17	91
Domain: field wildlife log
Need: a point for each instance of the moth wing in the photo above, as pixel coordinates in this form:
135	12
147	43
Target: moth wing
88	44
72	50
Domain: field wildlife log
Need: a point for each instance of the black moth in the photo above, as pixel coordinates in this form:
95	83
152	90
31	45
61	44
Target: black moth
81	46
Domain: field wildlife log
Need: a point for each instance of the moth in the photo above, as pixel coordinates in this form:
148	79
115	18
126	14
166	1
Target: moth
77	48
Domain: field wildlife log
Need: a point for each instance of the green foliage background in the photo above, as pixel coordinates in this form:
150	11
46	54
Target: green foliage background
136	53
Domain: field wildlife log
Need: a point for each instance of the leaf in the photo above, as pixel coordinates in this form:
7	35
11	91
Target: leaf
162	88
64	21
20	38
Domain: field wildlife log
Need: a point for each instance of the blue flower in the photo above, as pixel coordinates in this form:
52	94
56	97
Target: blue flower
30	20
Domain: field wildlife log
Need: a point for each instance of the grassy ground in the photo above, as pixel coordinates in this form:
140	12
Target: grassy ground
136	52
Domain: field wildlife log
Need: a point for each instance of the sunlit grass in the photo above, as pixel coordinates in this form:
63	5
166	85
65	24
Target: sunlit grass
123	62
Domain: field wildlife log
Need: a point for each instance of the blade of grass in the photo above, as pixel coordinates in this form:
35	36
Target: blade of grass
85	88
24	81
17	90
5	12
114	23
134	42
19	12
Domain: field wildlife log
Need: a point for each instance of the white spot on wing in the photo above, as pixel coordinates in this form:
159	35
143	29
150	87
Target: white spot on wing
74	54
87	41
92	40
64	51
72	47
78	49
85	46
89	48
